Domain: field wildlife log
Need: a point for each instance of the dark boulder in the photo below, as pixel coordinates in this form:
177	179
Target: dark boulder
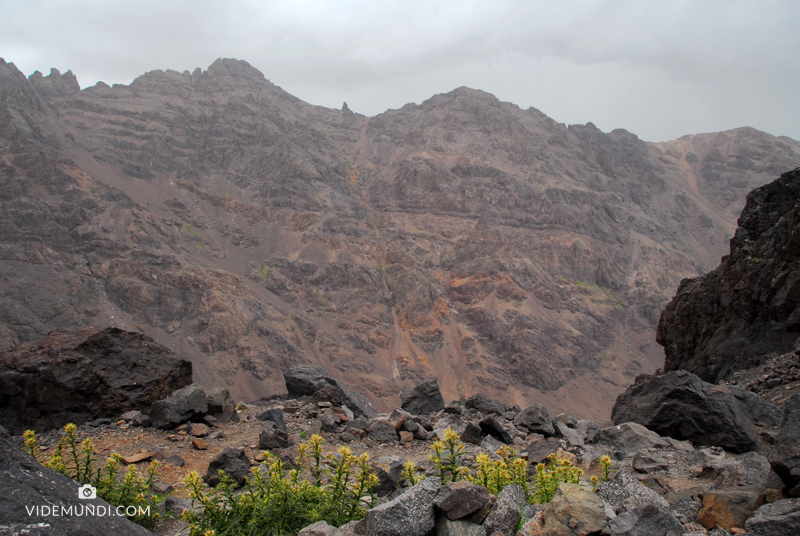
182	405
270	439
506	512
484	405
536	419
460	499
233	462
305	380
382	432
785	453
274	415
78	376
424	399
25	484
491	425
682	406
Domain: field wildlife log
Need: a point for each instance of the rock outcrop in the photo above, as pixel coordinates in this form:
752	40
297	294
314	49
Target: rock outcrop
748	307
80	376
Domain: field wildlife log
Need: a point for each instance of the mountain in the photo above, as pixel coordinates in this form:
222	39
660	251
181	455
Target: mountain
462	238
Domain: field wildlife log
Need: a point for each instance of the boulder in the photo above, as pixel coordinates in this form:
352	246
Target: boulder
232	461
471	433
220	404
460	499
27	484
389	470
629	437
198	429
506	512
573	511
484	405
424	399
728	509
491	425
781	518
646	521
410	514
274	415
305	380
539	450
182	405
568	434
623	492
785	453
320	528
536	419
648	463
273	439
382	432
460	527
79	376
682	406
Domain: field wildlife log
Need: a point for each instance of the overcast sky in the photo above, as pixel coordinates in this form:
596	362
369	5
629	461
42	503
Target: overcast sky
660	69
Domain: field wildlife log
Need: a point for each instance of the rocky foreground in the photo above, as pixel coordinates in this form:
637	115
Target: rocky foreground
661	483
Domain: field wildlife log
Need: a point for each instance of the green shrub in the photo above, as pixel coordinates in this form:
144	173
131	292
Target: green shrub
278	501
550	475
77	460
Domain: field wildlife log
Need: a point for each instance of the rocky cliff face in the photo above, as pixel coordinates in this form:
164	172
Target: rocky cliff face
735	316
462	238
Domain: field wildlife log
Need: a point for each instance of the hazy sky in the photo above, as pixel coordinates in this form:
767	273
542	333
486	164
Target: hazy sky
660	69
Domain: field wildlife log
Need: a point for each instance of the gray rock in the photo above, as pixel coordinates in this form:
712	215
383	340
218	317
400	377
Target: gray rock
646	521
491	425
320	528
785	453
305	380
484	405
389	470
574	511
471	433
220	404
539	450
570	435
506	512
623	492
781	518
410	514
273	438
648	463
629	437
424	399
536	419
681	405
232	461
24	484
588	429
273	415
460	499
447	527
180	406
382	432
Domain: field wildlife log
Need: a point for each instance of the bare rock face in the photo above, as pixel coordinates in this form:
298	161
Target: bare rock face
79	376
462	238
732	317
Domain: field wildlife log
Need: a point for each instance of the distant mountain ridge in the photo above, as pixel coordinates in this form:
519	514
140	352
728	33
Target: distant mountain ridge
462	237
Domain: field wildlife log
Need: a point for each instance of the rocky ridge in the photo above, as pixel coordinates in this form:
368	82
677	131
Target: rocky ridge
748	308
462	238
